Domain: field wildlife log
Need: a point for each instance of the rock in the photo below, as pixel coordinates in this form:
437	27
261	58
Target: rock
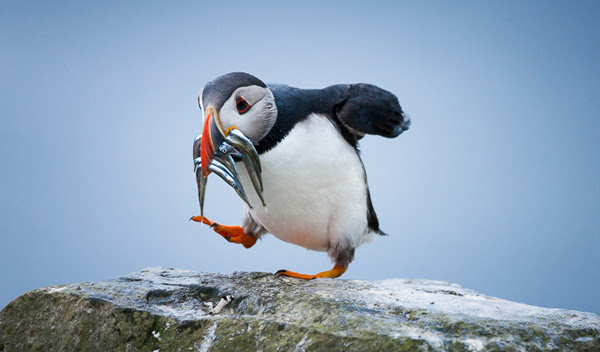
161	309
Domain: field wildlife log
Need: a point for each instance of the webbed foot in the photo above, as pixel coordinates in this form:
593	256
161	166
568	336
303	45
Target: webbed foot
234	234
337	271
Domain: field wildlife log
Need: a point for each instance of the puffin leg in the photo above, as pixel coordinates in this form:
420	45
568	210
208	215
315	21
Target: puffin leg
337	271
234	234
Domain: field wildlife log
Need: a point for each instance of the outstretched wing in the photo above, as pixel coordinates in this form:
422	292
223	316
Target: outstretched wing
371	110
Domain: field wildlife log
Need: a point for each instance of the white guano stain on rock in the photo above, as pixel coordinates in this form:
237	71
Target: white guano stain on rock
435	340
56	289
209	338
585	339
300	345
474	345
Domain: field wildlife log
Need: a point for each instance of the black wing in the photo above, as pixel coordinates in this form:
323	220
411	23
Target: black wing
368	109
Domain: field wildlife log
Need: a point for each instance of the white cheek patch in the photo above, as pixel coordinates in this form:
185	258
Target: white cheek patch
228	114
258	120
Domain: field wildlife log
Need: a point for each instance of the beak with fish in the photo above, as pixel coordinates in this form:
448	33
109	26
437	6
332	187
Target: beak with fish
215	153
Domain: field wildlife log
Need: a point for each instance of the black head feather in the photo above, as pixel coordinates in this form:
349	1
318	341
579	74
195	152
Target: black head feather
217	91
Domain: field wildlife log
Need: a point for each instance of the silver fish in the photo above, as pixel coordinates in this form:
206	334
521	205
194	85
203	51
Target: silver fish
255	177
197	141
232	163
223	164
250	159
197	164
252	173
222	171
201	181
243	145
228	163
225	148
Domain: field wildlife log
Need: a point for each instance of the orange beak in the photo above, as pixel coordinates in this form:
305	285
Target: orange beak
212	138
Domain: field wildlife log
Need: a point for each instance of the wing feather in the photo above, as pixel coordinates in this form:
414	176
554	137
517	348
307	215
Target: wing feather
371	110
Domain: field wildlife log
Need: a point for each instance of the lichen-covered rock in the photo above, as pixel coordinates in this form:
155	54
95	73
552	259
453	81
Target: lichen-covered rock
161	309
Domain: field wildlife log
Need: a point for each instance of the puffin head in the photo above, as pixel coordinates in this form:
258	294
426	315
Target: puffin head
238	110
235	101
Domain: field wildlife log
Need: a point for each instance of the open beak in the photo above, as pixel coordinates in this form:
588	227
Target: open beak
214	152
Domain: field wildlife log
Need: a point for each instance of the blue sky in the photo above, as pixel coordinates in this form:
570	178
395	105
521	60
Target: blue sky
495	187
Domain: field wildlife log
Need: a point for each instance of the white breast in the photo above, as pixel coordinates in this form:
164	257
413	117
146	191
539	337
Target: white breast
314	188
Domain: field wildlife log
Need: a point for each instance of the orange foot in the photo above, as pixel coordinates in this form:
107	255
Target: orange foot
233	234
337	271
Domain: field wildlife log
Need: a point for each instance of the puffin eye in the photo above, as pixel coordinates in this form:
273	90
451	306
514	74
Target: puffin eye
241	105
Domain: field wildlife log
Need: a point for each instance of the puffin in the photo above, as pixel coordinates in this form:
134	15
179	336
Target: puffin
292	156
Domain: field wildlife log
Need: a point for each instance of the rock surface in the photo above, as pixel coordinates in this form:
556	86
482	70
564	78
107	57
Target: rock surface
161	309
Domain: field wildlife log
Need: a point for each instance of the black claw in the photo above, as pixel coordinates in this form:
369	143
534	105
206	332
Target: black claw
281	271
228	238
314	277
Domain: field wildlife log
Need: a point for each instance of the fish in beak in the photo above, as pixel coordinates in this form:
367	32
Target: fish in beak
215	151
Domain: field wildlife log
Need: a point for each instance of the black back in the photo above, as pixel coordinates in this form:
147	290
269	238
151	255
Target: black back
356	109
293	106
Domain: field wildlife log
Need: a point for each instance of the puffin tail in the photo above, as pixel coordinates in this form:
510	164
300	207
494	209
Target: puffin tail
381	233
